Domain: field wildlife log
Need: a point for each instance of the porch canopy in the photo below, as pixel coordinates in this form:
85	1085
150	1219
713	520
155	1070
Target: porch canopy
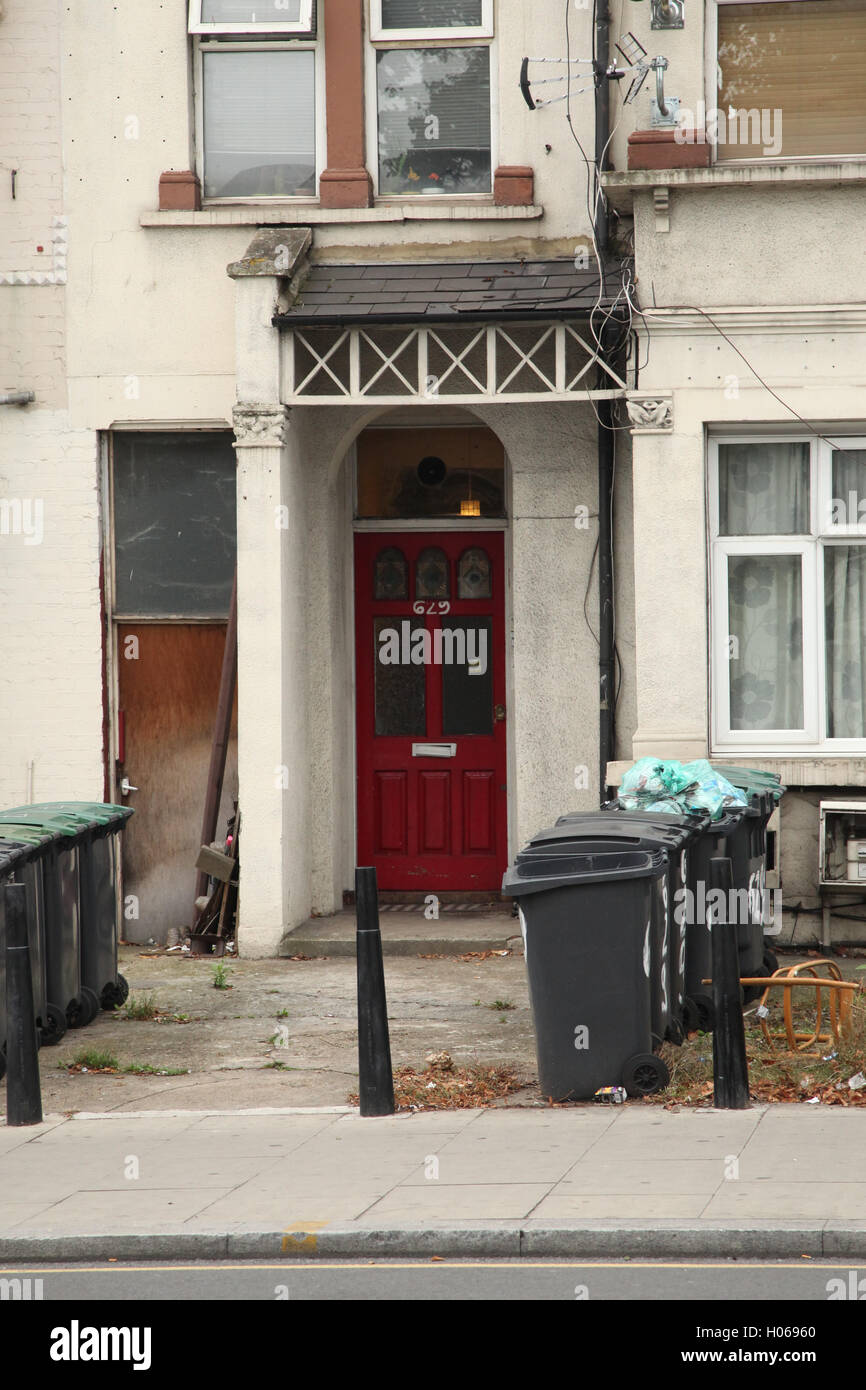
449	331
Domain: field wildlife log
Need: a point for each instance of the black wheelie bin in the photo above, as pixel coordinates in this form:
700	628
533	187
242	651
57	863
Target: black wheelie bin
765	791
21	862
688	828
61	890
587	930
99	826
603	833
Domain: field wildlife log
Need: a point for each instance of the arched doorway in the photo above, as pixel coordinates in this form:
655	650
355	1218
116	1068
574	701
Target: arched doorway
430	656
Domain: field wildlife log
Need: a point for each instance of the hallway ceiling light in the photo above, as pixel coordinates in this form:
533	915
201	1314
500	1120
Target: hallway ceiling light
431	471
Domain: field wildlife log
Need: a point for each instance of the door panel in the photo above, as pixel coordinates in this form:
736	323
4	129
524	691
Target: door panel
392	836
431	749
435	809
479	808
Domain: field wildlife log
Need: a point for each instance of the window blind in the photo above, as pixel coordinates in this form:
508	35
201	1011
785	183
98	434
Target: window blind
259	123
246	12
804	58
430	14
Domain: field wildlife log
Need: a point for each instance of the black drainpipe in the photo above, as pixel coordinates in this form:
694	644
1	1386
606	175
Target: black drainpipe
606	627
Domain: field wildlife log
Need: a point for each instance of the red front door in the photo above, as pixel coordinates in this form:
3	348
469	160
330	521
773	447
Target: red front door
430	631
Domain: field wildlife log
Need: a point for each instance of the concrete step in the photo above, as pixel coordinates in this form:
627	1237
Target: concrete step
406	932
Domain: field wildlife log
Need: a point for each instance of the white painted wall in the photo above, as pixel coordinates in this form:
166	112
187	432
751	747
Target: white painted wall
50	685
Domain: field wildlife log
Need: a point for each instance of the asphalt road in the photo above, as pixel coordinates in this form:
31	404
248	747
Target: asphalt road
450	1280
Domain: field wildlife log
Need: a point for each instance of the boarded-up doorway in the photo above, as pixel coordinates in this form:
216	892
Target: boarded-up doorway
173	505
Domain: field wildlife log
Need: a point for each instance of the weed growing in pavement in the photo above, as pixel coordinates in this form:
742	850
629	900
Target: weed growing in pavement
146	1069
502	1005
92	1059
141	1006
221	976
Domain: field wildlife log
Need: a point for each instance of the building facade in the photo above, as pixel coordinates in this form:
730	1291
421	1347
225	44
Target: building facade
237	193
310	289
749	554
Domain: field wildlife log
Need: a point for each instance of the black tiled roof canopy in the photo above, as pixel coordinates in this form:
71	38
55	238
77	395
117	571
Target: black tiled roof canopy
450	290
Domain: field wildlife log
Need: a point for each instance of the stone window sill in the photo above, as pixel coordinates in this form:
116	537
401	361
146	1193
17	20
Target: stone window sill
621	187
311	214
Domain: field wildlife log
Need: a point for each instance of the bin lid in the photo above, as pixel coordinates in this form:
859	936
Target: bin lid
86	812
45	818
541	874
752	779
616	822
616	832
27	834
728	821
753	776
72	817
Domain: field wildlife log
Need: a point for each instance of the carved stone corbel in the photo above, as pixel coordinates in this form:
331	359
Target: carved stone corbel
650	412
260	426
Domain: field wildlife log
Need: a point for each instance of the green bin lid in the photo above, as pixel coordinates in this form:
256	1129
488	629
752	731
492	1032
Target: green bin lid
72	813
27	815
27	834
752	779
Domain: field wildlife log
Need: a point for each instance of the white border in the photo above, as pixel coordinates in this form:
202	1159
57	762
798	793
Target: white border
302	25
484	30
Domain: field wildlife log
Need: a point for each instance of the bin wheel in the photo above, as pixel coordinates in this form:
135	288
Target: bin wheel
706	1011
644	1075
771	961
83	1009
676	1033
54	1027
91	999
115	993
691	1018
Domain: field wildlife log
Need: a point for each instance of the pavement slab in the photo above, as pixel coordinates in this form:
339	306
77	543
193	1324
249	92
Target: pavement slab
539	1181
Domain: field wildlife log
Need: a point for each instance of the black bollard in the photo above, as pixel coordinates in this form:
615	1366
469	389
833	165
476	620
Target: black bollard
730	1068
376	1081
23	1093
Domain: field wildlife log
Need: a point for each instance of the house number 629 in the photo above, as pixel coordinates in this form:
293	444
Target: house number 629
441	607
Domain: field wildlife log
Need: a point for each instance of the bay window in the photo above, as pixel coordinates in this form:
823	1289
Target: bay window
788	545
433	96
256	97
